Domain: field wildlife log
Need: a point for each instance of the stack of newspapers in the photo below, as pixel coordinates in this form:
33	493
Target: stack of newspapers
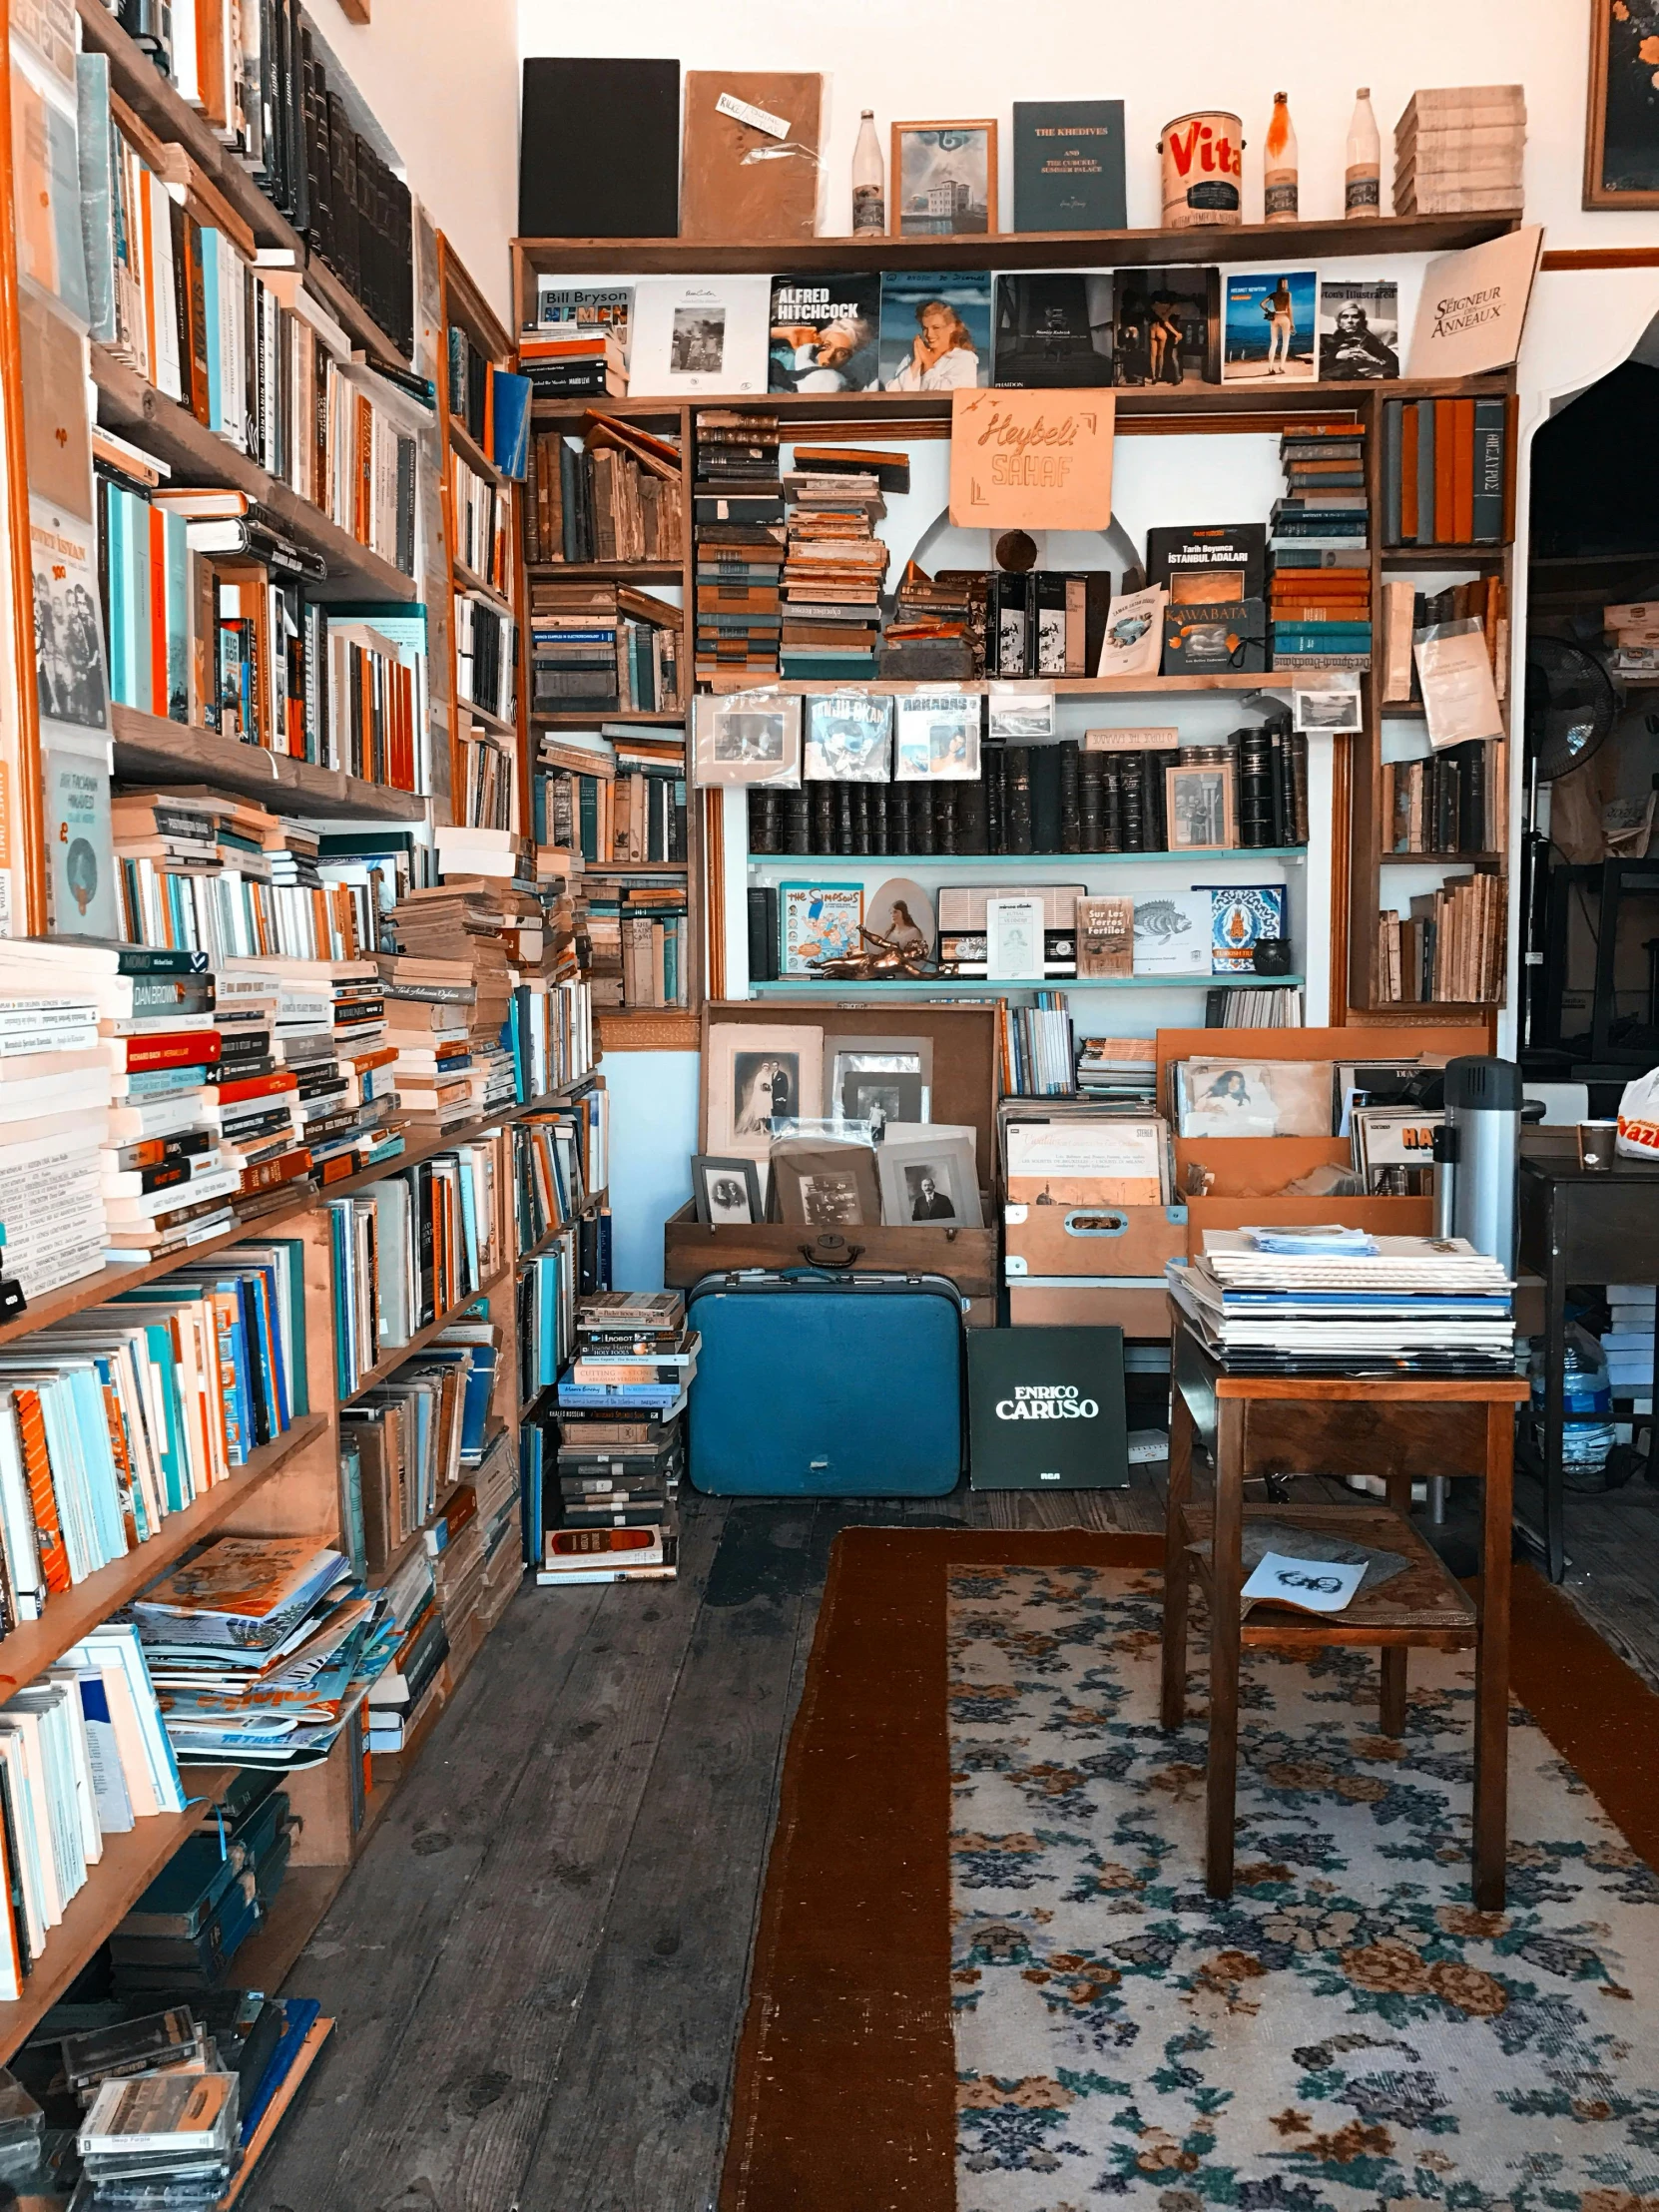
1337	1301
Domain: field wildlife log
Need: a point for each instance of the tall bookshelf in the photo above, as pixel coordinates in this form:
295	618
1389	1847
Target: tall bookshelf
465	308
1361	868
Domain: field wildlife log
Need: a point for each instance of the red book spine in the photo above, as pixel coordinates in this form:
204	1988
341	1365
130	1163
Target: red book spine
259	1086
194	1048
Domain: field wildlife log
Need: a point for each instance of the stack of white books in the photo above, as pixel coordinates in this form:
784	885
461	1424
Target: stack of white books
1421	1304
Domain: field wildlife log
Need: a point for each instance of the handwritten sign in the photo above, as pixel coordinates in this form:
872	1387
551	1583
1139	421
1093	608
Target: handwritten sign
1032	461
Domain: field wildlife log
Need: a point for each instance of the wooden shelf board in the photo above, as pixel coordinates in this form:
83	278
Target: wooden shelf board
347	308
1436	859
270	1954
391	1361
1244	244
129	1865
578	718
957	860
150	748
1425	1605
471	579
1442	556
33	1646
646	1030
467	446
491	722
1079	687
163	426
979	986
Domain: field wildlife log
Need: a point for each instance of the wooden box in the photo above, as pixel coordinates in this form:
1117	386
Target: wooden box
1140	1311
1120	1241
965	1091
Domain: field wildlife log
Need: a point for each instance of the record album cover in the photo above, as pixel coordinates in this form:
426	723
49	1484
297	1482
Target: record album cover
1053	329
936	330
823	333
1046	1410
1268	325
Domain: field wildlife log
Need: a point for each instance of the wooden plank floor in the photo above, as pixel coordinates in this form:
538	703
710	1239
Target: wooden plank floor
539	1966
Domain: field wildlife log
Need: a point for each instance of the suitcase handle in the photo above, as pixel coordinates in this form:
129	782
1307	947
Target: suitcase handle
831	1251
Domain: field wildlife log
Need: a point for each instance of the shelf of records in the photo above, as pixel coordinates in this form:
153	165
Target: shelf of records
1280	321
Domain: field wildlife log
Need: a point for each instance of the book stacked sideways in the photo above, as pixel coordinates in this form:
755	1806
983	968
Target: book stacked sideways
834	570
621	1406
1337	1301
209	1897
738	515
1458	150
261	1649
1320	587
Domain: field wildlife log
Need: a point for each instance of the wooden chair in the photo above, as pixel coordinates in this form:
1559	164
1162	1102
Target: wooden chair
1400	1428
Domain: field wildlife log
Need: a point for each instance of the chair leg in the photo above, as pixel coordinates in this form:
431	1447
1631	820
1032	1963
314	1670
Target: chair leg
1177	1567
1226	1575
1492	1675
1391	1715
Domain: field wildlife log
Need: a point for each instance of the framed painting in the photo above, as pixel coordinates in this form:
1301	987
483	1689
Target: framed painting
1621	130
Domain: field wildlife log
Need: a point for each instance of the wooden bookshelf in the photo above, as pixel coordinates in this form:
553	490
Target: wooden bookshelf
129	1865
463	305
130	404
399	1356
1067	687
159	105
151	749
33	1646
1283	243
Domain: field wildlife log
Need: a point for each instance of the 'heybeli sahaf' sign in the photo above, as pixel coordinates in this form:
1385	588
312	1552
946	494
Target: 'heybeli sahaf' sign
1032	461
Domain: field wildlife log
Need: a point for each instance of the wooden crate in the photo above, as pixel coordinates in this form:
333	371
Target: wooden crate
692	1249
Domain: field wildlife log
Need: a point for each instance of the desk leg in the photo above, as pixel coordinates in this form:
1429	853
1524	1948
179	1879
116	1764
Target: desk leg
1226	1575
1555	1353
1391	1717
1177	1567
1491	1681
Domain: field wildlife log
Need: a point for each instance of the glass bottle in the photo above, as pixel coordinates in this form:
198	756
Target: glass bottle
1278	177
869	210
1363	194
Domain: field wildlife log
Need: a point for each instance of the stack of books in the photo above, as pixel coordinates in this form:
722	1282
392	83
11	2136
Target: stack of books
429	1012
1118	1070
476	1543
208	1899
737	517
1337	1301
621	1406
263	1647
1319	592
832	573
416	1678
932	632
1449	947
579	350
1458	150
602	649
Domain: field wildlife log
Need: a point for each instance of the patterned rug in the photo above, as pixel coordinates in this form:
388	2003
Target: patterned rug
1346	2033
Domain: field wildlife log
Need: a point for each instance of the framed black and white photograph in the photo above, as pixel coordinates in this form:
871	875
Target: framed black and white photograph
848	738
827	1186
937	736
728	1192
1199	806
929	1184
878	1080
1327	703
746	738
759	1074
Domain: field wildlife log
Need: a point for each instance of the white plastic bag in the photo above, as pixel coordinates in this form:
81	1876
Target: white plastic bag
1639	1118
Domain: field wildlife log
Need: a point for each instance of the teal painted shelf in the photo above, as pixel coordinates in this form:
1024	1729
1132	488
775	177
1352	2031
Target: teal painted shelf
977	986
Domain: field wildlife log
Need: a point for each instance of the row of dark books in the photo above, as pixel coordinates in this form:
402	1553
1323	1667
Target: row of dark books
600	503
1442	803
1447	471
1058	797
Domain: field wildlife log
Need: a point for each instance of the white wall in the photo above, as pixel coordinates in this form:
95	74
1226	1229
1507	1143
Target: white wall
941	58
442	78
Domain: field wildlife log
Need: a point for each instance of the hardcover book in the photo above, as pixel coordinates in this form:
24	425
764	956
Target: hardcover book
1045	1409
751	168
1054	329
704	337
822	334
1068	165
1165	327
578	113
1268	325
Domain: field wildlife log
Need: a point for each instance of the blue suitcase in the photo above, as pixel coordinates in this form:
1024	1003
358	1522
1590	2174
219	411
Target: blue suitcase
826	1385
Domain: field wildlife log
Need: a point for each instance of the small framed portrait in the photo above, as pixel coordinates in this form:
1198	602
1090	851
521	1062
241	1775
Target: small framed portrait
1199	806
819	921
937	736
728	1192
929	1185
901	912
849	738
1329	702
1621	132
943	180
878	1080
829	1186
750	736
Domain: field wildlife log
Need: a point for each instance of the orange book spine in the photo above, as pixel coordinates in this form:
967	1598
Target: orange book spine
1446	469
42	1499
1463	455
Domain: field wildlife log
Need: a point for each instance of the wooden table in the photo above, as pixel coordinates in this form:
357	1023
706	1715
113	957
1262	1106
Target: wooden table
1402	1429
1580	1225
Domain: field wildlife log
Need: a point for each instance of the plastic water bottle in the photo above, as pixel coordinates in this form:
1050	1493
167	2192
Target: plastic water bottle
1586	1401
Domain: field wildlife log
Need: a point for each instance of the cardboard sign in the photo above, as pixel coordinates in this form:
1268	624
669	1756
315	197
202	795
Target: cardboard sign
1032	461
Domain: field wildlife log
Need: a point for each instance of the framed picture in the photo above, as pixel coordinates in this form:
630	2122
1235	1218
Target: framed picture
1328	701
930	1183
943	180
878	1079
831	1186
728	1192
1198	804
750	736
848	738
900	910
758	1073
1358	329
819	921
1621	132
937	736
